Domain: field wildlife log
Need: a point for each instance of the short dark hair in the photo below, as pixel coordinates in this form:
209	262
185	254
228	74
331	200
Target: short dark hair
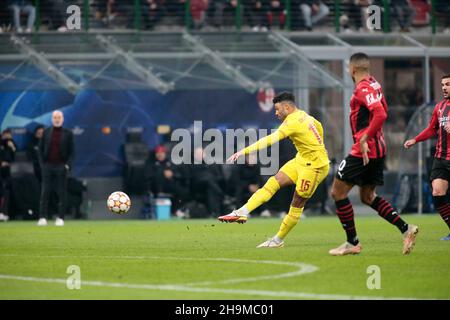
359	56
284	97
445	76
360	61
38	127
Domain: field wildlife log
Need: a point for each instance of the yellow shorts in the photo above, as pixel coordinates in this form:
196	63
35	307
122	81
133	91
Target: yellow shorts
306	179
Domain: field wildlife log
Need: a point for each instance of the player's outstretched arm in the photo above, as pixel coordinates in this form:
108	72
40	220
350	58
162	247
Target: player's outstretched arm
265	142
260	144
427	133
409	143
235	156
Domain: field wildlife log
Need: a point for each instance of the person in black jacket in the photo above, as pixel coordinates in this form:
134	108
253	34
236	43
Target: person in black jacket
255	13
56	151
207	183
246	179
166	179
33	151
7	154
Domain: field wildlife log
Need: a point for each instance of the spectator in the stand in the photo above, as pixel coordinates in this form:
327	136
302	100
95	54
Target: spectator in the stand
442	8
9	146
277	13
107	11
217	10
153	12
207	183
198	13
3	216
8	149
255	12
176	9
56	151
354	12
100	14
114	8
33	151
19	6
403	13
7	154
56	12
166	179
400	11
313	11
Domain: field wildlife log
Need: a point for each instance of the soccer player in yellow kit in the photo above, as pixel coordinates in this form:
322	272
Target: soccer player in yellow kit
307	170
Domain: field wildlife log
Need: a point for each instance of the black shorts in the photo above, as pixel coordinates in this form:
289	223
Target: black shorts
440	169
352	170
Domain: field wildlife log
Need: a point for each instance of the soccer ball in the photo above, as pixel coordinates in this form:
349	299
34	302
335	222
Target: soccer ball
118	202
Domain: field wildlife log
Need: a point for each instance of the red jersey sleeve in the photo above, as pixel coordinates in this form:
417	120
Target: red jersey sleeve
373	101
432	128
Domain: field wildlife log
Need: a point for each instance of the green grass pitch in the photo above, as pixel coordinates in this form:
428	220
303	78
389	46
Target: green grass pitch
205	259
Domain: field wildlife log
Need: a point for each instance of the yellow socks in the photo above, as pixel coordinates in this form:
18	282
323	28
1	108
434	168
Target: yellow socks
289	221
263	194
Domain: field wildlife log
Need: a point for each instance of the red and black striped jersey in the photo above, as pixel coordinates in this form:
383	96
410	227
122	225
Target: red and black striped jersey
368	100
439	121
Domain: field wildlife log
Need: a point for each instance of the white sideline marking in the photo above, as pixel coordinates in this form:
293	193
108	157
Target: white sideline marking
303	269
168	287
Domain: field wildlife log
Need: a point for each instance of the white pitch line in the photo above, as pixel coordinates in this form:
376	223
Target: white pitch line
168	287
303	268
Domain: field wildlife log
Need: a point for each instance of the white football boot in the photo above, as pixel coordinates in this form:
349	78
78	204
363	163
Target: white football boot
42	222
271	243
59	222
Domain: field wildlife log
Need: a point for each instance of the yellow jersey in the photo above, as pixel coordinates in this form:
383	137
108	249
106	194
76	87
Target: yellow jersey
305	132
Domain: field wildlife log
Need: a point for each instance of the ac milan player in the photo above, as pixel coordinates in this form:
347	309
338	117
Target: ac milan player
365	163
440	172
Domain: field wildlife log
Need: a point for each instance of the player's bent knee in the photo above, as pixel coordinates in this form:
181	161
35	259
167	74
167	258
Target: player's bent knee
340	190
337	194
298	201
282	179
439	187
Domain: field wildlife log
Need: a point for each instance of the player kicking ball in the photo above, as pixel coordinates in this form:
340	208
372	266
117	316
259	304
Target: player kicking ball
365	163
307	170
440	172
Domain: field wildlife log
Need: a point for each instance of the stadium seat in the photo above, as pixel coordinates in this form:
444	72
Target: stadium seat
136	155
